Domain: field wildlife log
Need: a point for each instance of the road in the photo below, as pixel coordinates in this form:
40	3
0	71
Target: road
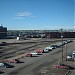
36	65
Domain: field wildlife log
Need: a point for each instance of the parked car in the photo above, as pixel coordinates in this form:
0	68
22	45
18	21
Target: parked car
59	44
40	50
73	54
6	65
54	46
28	55
46	50
1	64
68	66
3	44
49	48
69	58
34	53
68	41
12	60
61	66
73	51
65	42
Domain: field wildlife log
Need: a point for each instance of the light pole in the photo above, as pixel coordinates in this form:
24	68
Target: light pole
62	42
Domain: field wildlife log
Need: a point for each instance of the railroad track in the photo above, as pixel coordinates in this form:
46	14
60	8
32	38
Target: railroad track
14	51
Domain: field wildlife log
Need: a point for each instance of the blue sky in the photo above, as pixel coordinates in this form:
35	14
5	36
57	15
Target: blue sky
37	14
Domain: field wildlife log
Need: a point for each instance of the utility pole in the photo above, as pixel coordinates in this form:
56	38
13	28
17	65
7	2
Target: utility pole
62	42
66	52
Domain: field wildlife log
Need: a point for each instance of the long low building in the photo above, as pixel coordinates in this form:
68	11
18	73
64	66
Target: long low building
41	33
58	34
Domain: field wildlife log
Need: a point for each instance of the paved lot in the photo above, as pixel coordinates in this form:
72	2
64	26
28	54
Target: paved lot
22	46
41	64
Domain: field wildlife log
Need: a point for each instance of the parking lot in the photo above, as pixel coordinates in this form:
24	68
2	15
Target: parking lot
39	64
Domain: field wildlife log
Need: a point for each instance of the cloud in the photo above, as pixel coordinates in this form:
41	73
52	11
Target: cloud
21	15
24	14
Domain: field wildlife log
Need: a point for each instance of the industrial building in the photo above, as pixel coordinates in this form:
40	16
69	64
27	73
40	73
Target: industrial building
3	32
58	34
42	33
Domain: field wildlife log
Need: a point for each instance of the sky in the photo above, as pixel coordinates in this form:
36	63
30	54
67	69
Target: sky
37	14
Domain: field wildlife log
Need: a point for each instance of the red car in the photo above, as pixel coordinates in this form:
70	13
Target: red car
40	51
60	66
28	55
11	60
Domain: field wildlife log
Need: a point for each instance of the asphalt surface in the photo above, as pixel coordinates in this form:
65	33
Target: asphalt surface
21	46
37	65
